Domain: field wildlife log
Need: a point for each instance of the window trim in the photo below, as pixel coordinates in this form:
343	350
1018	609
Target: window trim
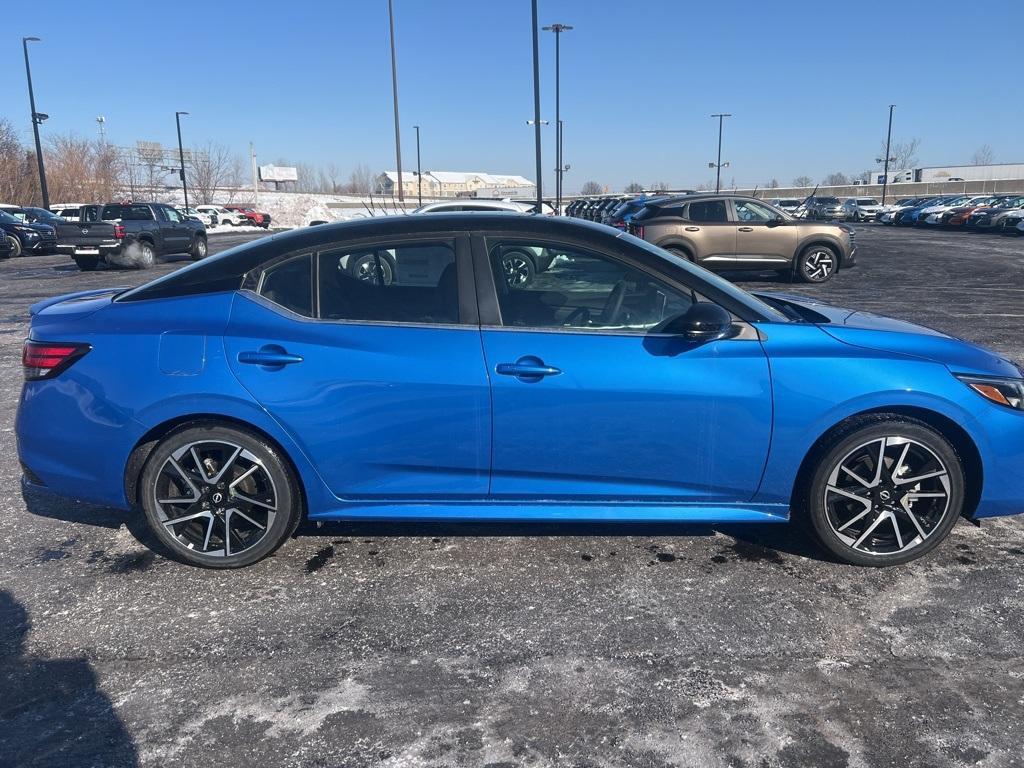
469	318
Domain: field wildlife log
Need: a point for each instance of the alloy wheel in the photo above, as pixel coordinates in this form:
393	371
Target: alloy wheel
374	271
887	495
819	264
215	498
517	270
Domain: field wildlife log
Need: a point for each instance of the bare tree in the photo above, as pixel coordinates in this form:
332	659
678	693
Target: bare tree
18	179
591	188
209	169
803	181
659	186
773	184
835	180
360	181
81	170
904	154
984	156
634	186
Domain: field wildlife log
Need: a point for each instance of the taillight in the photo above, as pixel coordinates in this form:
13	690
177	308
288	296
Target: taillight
638	230
46	359
119	231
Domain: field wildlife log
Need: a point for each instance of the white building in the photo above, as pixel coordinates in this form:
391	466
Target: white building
456	184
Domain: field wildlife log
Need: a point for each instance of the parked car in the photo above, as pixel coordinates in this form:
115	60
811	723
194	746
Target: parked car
26	237
907	216
223	215
207	218
624	212
254	217
957	216
937	215
920	217
129	234
888	213
861	209
1010	224
992	216
67	211
460	205
32	215
727	232
660	391
824	208
787	204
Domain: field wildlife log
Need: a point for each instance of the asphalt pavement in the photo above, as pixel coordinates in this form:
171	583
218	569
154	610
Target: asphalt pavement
534	644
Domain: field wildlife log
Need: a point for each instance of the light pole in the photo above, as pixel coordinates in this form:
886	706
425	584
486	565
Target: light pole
419	172
394	93
719	165
37	119
888	141
536	105
558	29
181	156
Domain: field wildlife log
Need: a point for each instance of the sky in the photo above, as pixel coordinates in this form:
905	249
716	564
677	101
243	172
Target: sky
309	81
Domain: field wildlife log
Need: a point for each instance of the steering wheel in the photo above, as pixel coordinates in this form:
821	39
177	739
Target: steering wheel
613	306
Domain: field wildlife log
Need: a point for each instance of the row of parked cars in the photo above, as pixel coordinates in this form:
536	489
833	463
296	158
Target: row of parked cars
125	233
729	232
993	213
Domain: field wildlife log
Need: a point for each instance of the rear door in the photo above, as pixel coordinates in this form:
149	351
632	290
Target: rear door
369	354
711	228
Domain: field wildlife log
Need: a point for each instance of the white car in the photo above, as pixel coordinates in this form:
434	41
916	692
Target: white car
456	206
207	219
861	209
223	215
1020	226
787	204
933	216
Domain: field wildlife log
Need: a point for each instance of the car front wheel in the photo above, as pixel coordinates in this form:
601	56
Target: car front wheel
218	497
886	491
16	249
816	264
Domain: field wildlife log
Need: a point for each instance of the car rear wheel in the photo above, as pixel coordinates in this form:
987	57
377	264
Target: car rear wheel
518	268
680	252
816	264
87	263
199	249
16	249
218	497
888	490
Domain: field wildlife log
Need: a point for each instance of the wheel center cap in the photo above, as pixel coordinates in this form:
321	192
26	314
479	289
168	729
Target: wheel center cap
218	497
884	496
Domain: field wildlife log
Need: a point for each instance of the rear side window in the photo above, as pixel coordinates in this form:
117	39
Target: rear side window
414	283
708	211
290	284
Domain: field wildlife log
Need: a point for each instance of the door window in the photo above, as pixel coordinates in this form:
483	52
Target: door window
747	210
708	211
172	215
408	283
578	290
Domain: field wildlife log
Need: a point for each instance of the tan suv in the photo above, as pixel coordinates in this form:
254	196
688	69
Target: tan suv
723	232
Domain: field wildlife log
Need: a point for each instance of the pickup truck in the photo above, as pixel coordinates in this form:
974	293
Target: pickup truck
129	235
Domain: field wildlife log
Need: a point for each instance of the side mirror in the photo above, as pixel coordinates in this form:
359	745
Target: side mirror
777	221
701	322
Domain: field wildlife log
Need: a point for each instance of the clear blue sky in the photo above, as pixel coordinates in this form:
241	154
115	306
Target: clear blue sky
808	83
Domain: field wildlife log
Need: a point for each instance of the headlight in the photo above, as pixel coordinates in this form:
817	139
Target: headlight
26	230
1008	392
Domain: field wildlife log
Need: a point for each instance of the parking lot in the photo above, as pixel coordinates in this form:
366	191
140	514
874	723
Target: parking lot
528	644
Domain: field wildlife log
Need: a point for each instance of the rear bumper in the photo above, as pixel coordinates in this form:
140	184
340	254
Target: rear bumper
101	250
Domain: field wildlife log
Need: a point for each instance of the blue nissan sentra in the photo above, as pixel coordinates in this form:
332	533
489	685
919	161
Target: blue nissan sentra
388	368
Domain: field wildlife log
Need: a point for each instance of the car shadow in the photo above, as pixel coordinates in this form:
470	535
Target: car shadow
53	711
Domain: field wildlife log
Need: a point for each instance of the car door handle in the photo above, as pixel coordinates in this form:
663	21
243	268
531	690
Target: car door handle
746	229
270	356
692	229
527	369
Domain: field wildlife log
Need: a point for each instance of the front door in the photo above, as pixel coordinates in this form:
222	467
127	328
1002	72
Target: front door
761	238
591	403
370	358
175	233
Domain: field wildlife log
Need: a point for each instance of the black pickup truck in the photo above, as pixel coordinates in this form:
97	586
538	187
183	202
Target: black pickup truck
129	235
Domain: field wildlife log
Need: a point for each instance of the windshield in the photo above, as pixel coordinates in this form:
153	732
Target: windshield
6	218
720	283
867	201
828	200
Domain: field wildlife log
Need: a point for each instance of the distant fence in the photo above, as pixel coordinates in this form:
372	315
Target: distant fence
903	189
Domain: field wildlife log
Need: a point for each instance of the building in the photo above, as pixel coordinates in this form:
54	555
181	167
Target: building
970	172
455	184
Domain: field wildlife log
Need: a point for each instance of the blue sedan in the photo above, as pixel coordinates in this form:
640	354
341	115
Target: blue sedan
386	368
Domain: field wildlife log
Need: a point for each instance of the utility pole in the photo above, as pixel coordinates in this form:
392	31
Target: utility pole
255	177
394	93
419	170
888	141
536	107
181	156
718	165
37	119
558	29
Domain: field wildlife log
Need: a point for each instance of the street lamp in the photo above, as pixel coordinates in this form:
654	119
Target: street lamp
419	173
558	29
888	141
181	156
37	119
719	165
536	105
394	95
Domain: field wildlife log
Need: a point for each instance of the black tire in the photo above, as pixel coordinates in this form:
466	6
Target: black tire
201	540
199	248
682	253
838	521
87	263
147	255
518	267
16	249
817	264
